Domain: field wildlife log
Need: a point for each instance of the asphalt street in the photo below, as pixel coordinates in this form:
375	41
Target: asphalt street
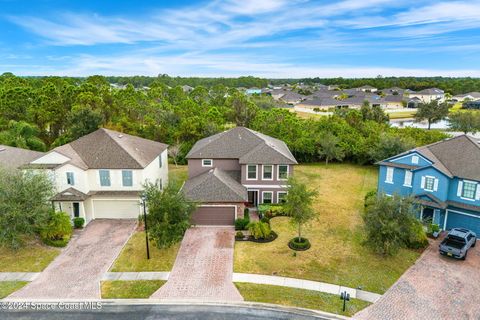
114	311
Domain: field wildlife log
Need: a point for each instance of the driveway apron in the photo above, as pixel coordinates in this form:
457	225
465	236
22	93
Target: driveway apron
203	268
77	271
435	287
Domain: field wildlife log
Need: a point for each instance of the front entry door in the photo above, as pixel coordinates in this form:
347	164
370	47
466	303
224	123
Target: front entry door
427	215
76	209
253	198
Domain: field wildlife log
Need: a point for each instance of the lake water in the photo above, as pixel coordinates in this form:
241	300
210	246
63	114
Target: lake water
403	123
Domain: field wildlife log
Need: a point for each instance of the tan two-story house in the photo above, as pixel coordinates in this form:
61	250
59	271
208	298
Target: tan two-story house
233	169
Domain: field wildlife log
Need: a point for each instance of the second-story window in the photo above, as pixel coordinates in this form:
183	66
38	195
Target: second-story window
429	183
389	177
207	162
469	189
267	172
252	172
408	178
104	178
127	178
282	172
70	178
160	163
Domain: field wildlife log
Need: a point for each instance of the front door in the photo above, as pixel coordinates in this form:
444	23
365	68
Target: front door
253	198
76	209
427	215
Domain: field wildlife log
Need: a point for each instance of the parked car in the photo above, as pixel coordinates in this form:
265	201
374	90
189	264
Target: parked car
457	242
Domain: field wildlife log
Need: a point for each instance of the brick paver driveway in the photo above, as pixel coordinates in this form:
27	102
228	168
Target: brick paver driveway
203	267
436	287
77	271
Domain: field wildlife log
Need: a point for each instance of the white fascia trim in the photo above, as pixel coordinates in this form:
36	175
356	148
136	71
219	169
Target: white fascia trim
263	172
410	154
265	186
256	172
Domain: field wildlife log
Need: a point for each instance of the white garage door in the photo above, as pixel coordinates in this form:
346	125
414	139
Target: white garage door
116	209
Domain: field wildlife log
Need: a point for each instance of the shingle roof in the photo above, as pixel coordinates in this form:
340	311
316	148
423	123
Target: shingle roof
70	194
107	149
244	144
215	185
12	158
432	91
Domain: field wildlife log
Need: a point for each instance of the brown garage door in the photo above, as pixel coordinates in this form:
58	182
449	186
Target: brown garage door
220	216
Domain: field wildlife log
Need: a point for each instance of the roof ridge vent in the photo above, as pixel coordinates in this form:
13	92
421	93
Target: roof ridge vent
120	136
3	149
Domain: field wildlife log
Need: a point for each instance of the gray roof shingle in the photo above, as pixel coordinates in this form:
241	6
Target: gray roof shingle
215	185
12	158
244	144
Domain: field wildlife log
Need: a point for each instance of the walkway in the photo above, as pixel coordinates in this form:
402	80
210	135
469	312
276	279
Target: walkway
77	271
203	267
435	287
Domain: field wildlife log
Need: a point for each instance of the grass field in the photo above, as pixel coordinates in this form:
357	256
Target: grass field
138	289
337	255
133	256
177	174
33	257
8	287
299	298
408	114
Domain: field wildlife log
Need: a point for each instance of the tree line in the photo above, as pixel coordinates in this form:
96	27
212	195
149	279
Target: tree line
42	113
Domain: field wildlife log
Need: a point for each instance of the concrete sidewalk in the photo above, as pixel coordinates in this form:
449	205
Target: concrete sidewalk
18	276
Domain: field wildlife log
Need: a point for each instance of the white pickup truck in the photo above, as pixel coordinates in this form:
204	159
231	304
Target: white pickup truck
457	242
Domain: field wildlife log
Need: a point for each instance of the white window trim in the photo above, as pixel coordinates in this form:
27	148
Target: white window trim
279	193
263	196
386	175
411	179
278	172
208	166
256	172
430	190
263	172
131	176
73	178
100	178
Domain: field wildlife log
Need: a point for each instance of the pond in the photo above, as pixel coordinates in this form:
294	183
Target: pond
403	123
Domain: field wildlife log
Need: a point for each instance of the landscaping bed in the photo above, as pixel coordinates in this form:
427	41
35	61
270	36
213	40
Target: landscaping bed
337	254
272	237
299	298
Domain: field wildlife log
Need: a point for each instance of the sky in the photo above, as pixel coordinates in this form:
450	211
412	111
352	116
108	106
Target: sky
265	38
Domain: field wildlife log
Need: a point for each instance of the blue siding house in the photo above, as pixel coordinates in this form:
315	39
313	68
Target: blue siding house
444	177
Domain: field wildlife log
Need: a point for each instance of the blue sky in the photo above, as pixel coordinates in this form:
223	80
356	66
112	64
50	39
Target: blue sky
267	38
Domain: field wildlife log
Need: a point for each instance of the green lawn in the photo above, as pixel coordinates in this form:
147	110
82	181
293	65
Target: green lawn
337	254
408	114
8	287
138	289
133	256
299	298
178	174
33	257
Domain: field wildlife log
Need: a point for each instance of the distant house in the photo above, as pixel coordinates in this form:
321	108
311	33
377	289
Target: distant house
366	88
13	158
101	175
428	95
292	98
471	96
412	103
393	101
253	91
444	177
187	88
323	104
235	168
471	105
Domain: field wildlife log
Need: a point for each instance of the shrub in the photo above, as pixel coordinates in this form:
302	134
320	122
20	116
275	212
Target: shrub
271	210
300	244
239	235
241	224
370	198
57	229
417	237
259	230
246	212
78	222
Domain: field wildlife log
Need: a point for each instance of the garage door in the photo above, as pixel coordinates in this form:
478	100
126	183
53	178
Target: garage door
219	216
456	220
111	209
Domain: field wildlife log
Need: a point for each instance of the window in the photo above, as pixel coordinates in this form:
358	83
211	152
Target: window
127	178
281	196
267	172
414	159
267	196
207	162
160	162
389	177
70	178
469	189
408	178
429	183
283	172
251	172
104	178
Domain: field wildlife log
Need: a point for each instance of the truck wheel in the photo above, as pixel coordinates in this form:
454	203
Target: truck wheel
474	243
465	256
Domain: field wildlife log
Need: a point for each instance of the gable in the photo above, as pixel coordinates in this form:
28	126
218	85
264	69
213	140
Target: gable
51	158
413	159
